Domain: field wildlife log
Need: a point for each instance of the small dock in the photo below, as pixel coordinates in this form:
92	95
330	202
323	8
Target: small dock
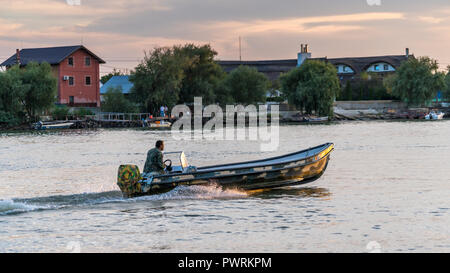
118	120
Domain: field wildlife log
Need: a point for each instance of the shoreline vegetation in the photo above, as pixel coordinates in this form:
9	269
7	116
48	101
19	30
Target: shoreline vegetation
290	117
170	76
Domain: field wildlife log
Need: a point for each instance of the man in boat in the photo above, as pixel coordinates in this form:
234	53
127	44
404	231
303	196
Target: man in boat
155	162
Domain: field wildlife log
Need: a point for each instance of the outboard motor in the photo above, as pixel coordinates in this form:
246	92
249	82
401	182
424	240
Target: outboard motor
128	180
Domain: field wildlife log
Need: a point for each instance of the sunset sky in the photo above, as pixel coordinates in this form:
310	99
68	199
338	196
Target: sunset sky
119	31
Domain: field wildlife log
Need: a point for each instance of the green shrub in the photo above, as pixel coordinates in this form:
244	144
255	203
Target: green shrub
82	112
8	119
60	112
116	102
276	99
371	88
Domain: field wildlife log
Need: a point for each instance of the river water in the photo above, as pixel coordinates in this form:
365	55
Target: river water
386	189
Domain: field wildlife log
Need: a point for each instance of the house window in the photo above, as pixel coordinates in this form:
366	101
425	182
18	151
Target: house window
386	67
71	100
88	80
377	67
87	61
344	69
71	81
70	61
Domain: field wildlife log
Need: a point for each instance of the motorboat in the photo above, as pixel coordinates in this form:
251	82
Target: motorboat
52	126
298	168
435	116
160	125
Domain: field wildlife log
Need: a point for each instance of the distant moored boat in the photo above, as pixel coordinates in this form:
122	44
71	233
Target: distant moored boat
49	126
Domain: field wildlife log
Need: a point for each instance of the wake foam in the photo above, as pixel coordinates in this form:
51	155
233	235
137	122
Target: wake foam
10	207
17	206
197	193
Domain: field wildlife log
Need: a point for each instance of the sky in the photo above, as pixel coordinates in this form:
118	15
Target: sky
119	31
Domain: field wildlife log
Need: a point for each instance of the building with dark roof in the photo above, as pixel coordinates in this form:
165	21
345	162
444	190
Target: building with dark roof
76	67
347	68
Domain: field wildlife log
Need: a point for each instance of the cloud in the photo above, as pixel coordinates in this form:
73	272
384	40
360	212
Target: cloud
121	30
7	26
87	8
301	25
431	20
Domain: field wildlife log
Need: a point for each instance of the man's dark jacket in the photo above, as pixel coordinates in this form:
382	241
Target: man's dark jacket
154	162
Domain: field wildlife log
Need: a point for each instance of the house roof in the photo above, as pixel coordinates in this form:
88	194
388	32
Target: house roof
361	64
116	81
51	55
273	68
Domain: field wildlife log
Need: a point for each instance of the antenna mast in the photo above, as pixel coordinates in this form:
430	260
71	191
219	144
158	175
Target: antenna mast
240	50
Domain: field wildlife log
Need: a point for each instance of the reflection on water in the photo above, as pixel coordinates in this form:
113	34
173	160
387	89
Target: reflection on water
386	182
292	192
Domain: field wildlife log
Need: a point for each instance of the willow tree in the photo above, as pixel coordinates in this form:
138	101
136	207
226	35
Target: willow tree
417	81
202	74
157	79
312	87
39	87
11	91
29	91
175	75
10	94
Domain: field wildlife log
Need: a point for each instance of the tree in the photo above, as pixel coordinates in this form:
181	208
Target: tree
115	102
30	90
104	79
222	94
369	86
246	85
11	91
175	75
39	87
417	81
312	87
447	84
157	79
202	75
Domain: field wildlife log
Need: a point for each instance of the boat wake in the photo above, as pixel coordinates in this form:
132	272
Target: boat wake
197	193
18	206
11	207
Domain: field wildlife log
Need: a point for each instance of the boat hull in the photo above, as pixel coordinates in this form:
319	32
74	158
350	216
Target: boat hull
55	126
297	172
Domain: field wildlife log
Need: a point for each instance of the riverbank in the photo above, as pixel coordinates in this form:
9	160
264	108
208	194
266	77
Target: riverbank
343	111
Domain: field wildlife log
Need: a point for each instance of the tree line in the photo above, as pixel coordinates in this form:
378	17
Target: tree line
175	75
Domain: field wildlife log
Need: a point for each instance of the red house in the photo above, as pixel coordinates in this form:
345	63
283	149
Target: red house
77	70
